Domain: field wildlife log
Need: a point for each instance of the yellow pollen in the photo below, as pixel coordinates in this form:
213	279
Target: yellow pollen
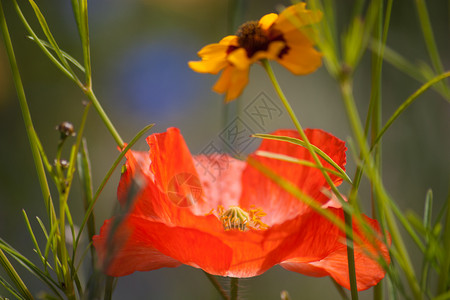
237	218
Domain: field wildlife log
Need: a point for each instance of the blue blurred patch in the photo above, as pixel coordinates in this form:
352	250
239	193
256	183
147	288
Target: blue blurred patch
154	76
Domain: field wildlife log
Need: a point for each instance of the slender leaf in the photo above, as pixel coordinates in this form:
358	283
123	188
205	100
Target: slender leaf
106	178
53	59
65	54
430	41
51	39
11	289
84	171
33	238
30	267
408	102
12	273
303	144
291	159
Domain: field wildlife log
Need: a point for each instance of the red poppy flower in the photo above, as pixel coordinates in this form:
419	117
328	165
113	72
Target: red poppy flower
223	216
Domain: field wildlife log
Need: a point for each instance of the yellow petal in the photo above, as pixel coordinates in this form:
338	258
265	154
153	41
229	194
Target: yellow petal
271	53
213	59
222	84
239	59
267	21
215	50
232	82
301	60
296	16
298	38
208	66
230	40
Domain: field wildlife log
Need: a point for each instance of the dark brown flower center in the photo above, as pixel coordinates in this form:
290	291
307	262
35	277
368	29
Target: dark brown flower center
252	38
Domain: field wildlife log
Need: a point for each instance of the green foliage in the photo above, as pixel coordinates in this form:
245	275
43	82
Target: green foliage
342	52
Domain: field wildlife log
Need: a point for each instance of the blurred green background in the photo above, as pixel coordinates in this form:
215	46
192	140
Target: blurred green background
140	50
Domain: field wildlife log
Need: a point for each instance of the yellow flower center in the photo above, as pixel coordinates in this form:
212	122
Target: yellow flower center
252	38
240	219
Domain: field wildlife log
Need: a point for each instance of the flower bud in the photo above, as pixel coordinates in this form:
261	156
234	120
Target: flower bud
64	163
66	129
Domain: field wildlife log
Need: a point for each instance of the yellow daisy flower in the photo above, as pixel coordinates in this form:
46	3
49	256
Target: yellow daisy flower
283	38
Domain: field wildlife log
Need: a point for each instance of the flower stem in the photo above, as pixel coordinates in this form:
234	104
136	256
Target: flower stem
12	272
217	285
90	94
348	218
27	117
234	286
356	125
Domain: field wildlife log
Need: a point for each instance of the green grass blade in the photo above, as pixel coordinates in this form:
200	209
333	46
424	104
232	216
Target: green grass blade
27	264
44	230
445	266
302	162
443	296
420	72
14	276
84	171
51	39
430	42
303	144
327	36
27	117
65	54
427	212
11	289
408	102
33	237
53	59
106	178
83	28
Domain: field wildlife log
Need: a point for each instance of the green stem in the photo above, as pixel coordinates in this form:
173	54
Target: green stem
90	94
217	285
339	289
430	42
109	287
445	268
12	272
380	33
348	218
234	287
27	118
355	122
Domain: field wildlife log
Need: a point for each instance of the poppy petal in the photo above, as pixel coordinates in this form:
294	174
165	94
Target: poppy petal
335	264
169	156
138	162
220	177
263	192
129	252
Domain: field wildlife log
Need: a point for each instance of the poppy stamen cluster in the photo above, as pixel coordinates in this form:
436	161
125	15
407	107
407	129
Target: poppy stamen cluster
237	218
236	238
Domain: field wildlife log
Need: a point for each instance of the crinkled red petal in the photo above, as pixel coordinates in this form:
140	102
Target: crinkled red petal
262	192
128	251
335	264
